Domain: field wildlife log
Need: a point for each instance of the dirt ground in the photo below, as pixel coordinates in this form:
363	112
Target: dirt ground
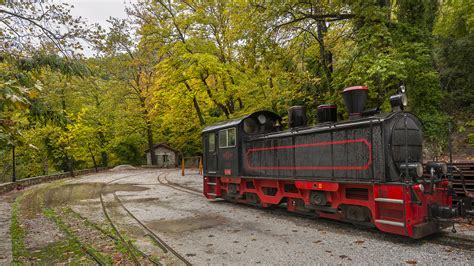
64	222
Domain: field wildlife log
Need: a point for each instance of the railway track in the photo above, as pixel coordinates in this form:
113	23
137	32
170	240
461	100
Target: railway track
154	237
176	186
165	247
84	247
127	245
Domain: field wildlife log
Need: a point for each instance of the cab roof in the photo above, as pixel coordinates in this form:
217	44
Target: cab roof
237	121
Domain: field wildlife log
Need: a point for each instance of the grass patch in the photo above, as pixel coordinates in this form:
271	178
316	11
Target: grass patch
17	234
66	250
75	245
62	251
118	244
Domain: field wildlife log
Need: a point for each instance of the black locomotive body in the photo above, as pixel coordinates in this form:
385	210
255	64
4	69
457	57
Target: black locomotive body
367	169
364	150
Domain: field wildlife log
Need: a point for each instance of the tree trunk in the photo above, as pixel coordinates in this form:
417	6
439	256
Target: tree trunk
326	56
241	104
149	133
13	164
198	111
69	167
230	103
209	93
103	154
93	158
196	105
45	165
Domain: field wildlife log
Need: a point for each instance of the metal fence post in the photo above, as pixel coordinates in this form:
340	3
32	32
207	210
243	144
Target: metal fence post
182	167
14	164
200	165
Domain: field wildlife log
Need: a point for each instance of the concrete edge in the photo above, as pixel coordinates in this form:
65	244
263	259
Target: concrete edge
7	187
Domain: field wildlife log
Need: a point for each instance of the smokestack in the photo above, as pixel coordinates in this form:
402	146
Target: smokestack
297	116
327	113
355	99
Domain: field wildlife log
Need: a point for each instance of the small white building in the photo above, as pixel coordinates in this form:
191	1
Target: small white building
165	156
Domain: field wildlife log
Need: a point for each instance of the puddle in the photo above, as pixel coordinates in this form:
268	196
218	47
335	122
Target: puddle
140	200
186	224
72	193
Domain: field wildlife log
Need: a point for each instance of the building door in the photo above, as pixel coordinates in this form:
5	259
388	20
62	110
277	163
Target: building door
211	164
159	160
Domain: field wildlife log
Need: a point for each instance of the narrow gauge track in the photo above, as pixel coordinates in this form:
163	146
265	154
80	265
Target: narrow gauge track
442	239
162	243
165	177
111	236
117	232
128	244
175	186
128	176
84	247
156	239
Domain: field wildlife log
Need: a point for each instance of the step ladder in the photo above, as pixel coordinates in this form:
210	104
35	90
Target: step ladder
212	187
390	211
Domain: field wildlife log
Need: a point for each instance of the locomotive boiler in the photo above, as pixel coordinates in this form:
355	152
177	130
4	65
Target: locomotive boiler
366	170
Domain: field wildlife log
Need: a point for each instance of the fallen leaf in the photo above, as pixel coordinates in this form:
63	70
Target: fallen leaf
412	262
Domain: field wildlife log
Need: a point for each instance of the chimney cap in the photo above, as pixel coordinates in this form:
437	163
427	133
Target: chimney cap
355	88
327	106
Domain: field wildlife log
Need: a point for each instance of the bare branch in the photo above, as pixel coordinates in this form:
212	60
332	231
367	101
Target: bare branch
51	35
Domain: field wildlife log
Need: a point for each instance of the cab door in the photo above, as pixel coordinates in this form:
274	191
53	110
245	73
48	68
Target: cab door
228	152
211	150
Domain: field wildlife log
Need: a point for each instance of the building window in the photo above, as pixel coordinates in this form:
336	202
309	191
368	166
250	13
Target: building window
227	138
212	142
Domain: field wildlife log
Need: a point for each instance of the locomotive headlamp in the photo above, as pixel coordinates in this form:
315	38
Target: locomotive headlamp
262	119
404	99
438	167
398	101
414	169
403	89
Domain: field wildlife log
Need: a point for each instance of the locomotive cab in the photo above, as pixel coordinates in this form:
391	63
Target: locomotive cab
222	141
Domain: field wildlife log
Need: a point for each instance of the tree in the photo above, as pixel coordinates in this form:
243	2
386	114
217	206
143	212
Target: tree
136	68
26	26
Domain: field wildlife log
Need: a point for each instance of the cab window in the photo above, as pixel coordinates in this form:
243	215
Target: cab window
227	138
231	137
212	142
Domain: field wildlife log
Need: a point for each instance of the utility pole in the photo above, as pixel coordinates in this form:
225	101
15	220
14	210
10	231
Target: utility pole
14	164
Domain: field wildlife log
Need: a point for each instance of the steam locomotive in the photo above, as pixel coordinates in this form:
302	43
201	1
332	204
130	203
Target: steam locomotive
365	170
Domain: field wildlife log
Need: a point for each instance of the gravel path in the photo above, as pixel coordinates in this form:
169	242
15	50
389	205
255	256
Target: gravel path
5	219
218	232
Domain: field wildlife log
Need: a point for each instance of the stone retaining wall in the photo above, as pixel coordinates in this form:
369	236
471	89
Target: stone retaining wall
6	187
